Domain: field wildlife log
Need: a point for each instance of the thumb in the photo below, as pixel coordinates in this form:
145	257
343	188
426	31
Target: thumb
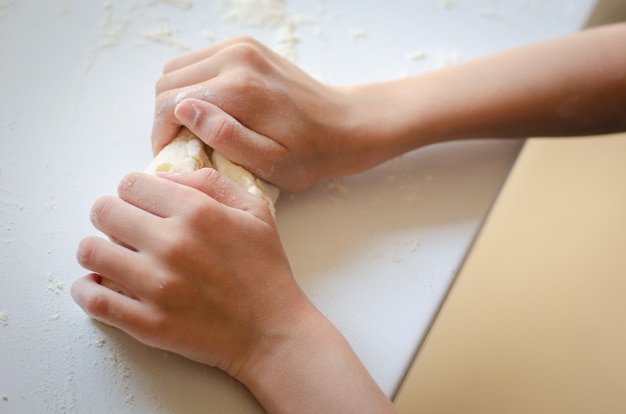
227	135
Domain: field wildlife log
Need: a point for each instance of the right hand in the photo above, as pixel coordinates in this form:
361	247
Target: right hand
260	111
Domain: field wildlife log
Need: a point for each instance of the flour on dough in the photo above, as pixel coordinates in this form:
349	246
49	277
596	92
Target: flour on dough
184	154
266	191
187	153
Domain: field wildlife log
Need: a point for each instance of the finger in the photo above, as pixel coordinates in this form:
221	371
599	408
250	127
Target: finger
221	189
201	54
167	198
248	55
114	262
192	74
166	125
224	133
107	306
235	61
124	223
154	195
187	82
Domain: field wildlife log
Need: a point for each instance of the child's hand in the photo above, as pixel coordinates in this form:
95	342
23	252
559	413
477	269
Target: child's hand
208	278
260	111
203	263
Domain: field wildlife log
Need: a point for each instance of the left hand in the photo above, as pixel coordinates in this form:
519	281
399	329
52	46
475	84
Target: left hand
203	263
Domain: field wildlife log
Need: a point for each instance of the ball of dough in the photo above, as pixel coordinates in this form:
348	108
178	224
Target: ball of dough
187	153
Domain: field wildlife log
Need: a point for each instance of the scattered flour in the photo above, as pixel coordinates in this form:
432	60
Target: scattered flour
402	249
413	244
5	7
357	34
181	4
113	28
54	285
117	360
337	187
165	36
447	57
268	14
416	55
257	13
287	41
448	4
99	342
4	319
492	13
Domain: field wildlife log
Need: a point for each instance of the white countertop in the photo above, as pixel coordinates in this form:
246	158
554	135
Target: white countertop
376	252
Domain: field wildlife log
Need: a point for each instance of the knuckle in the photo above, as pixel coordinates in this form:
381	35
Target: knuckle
165	103
247	39
246	52
209	176
170	65
223	130
173	250
128	183
216	183
196	215
165	291
162	84
96	304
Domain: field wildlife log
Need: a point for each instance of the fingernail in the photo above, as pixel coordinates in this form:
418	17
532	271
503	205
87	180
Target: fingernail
189	113
182	113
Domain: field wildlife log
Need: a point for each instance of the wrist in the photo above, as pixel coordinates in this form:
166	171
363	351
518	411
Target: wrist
276	363
385	120
310	367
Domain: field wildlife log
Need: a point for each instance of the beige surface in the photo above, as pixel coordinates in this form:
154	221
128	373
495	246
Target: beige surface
536	321
606	12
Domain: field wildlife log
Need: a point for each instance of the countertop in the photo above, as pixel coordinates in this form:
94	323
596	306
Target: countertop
376	252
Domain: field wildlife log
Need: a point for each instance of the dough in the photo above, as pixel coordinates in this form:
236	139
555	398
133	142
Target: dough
266	191
184	154
187	153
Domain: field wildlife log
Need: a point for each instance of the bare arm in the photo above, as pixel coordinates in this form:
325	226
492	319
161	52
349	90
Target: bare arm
573	85
266	114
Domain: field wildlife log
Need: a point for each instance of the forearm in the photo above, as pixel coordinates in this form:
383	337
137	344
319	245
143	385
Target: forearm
314	371
567	86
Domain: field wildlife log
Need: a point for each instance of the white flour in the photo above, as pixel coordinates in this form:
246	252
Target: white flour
181	4
165	36
112	28
5	6
357	34
268	14
4	319
257	13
